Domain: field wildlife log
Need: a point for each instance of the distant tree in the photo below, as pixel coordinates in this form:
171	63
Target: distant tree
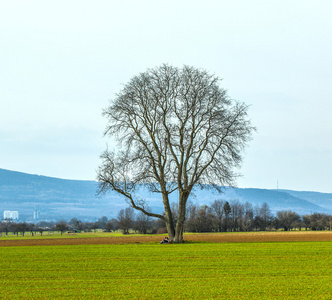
191	224
111	225
176	129
76	224
95	225
236	215
298	224
263	216
40	230
274	223
31	228
287	219
248	218
266	215
319	221
73	222
46	225
142	223
306	221
218	210
61	226
258	222
6	226
21	227
156	224
205	219
227	210
87	226
15	228
102	222
125	219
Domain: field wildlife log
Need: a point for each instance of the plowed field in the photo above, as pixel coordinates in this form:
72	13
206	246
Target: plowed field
321	236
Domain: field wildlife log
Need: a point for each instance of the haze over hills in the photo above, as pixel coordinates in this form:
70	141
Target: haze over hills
55	198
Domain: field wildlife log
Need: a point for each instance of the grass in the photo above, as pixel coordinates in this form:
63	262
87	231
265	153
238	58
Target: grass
58	235
296	270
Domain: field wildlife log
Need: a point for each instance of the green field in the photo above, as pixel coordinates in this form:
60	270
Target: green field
296	270
58	235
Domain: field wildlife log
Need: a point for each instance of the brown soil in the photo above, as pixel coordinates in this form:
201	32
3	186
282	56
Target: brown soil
303	236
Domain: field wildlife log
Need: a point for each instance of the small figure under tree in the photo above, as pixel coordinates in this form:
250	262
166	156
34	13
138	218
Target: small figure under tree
176	129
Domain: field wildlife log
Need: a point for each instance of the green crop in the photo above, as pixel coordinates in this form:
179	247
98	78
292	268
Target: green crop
57	235
298	270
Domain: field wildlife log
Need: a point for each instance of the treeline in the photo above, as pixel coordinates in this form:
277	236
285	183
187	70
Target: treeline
126	221
221	216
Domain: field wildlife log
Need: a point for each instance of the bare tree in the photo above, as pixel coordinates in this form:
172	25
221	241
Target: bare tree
287	219
40	230
176	129
125	219
191	217
319	221
142	223
236	215
31	227
76	224
227	210
248	219
21	227
6	225
218	209
110	225
102	222
264	215
205	219
61	226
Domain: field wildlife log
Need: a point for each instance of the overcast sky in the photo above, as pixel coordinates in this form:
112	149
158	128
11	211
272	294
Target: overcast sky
62	61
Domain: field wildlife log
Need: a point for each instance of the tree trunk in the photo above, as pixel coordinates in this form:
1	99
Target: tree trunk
183	197
179	233
170	231
169	218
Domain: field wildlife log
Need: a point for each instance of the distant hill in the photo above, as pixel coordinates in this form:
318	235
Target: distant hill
276	199
56	198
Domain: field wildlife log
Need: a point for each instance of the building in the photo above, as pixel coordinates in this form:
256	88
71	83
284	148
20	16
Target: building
36	214
10	215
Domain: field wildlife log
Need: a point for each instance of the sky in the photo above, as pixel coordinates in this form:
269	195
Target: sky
61	62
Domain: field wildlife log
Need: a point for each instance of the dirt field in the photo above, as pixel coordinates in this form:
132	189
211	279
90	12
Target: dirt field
303	236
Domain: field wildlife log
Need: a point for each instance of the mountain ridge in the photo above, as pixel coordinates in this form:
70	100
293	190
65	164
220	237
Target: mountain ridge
56	198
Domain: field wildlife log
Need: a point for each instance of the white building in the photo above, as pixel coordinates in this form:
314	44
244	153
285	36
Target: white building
9	214
36	215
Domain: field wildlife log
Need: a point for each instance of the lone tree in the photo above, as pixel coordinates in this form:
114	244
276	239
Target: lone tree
176	129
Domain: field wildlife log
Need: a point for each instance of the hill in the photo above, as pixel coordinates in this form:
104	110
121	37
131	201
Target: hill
55	198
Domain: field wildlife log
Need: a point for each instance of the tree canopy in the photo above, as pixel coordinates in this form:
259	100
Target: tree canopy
176	128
